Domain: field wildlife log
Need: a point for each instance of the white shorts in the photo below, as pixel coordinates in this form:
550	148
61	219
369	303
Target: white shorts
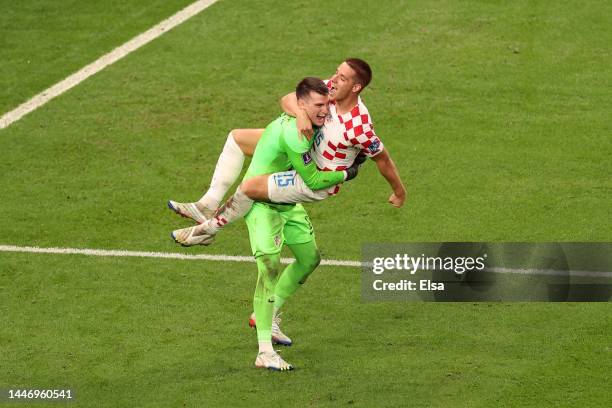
288	187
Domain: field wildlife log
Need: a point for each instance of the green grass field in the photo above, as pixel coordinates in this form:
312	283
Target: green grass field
497	115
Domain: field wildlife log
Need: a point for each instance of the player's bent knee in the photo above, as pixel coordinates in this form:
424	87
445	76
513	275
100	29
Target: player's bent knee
308	255
256	188
311	262
247	139
247	188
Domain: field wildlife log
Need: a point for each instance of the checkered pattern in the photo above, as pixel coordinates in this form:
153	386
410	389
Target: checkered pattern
220	221
359	131
344	137
331	152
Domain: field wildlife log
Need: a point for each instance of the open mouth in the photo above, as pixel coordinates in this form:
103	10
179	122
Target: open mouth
332	90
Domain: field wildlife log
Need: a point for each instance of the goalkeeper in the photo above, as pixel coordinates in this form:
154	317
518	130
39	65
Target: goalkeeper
272	225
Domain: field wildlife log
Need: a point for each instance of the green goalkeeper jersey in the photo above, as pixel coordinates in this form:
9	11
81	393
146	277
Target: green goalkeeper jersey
282	148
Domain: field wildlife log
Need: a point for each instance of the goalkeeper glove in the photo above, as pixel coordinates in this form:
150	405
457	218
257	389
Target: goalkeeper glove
351	172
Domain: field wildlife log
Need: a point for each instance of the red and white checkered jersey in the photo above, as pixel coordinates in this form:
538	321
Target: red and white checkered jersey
343	137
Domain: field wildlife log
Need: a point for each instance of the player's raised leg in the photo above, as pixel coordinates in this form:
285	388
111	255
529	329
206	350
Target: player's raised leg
236	207
239	143
281	188
247	139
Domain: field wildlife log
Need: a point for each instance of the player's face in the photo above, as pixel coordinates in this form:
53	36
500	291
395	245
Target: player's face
343	83
316	107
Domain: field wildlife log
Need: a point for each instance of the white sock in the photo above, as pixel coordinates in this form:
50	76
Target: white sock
234	208
266	346
227	170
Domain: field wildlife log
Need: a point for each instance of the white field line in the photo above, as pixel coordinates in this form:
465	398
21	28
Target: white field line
235	258
552	272
104	61
164	255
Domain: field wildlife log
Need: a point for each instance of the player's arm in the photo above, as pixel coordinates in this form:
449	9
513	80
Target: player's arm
388	170
315	179
291	108
297	151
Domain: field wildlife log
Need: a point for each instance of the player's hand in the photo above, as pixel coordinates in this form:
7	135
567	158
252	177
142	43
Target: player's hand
397	200
360	159
304	125
351	172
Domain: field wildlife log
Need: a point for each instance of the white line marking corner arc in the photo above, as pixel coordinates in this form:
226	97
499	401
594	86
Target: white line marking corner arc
104	61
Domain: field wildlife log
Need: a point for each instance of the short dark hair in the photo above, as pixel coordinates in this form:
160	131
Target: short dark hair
310	84
363	72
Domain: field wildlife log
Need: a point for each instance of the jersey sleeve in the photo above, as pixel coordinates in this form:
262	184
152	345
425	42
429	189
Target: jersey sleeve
368	142
298	152
360	133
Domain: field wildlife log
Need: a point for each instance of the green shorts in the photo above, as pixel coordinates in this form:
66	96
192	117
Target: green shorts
271	226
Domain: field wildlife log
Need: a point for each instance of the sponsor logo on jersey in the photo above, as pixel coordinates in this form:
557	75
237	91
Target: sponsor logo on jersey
373	148
307	158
